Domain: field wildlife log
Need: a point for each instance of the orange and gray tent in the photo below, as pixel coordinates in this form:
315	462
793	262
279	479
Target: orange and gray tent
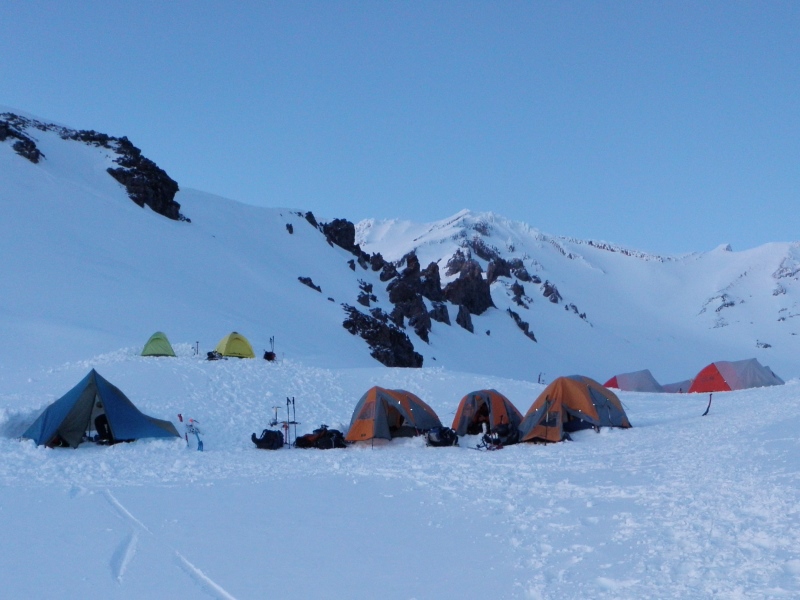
489	406
638	381
387	414
570	404
236	345
724	376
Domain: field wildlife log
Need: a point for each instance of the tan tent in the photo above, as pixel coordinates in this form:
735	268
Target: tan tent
387	414
570	404
236	345
638	381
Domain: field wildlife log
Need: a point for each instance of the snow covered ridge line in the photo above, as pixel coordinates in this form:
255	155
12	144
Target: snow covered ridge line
608	247
145	182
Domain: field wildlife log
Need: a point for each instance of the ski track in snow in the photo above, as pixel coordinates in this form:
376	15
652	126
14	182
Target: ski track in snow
123	556
126	552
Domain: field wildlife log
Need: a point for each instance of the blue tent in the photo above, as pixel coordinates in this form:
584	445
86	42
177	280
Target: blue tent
89	406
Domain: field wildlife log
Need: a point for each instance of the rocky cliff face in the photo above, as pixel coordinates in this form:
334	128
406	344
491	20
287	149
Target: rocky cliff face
145	182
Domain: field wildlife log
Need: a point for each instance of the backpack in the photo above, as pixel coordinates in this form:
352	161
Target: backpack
441	436
502	435
322	438
269	440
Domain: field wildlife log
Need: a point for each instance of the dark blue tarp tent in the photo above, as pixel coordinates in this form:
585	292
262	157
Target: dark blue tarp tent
74	415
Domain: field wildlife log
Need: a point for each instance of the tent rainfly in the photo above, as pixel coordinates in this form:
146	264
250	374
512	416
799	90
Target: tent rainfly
236	345
388	414
570	404
158	345
724	376
638	381
94	405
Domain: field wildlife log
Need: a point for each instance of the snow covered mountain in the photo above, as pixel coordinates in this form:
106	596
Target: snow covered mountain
96	259
104	272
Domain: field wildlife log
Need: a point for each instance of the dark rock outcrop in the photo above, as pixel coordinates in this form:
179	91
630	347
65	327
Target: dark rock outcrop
524	326
439	313
456	262
550	292
389	272
470	289
575	310
388	345
290	228
365	295
376	262
430	283
307	281
405	293
498	267
145	182
24	146
518	292
482	249
464	318
342	233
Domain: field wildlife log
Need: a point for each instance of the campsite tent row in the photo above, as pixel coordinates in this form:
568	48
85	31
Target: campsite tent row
720	376
234	344
567	404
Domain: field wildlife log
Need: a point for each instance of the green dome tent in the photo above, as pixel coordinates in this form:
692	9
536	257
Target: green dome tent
158	345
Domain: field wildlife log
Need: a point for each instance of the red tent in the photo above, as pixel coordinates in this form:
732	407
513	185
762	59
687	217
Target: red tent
724	376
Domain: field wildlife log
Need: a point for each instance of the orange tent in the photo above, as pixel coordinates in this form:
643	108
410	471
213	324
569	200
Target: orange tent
387	414
570	404
485	406
724	376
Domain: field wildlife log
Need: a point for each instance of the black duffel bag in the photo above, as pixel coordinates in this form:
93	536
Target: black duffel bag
441	436
269	440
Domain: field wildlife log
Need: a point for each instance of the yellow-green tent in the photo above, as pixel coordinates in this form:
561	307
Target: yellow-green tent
158	345
235	344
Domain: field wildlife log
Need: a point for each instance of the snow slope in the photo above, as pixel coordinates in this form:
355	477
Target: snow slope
92	272
679	506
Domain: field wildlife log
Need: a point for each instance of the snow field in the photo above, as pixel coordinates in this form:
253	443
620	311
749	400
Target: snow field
678	506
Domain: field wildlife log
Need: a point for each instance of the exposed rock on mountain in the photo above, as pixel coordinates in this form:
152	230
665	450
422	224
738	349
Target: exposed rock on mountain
145	182
550	292
470	290
524	326
464	318
388	345
307	281
439	313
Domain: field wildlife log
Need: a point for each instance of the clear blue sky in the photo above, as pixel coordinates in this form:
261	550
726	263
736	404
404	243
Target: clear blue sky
665	126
